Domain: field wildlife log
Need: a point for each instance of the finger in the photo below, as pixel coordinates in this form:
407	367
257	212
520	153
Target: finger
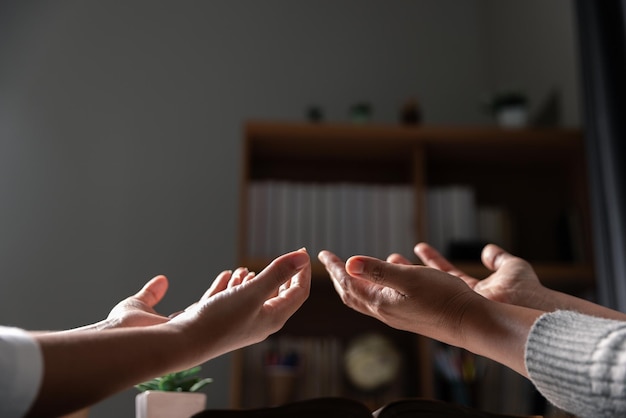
494	257
292	294
382	273
398	259
284	286
249	277
336	269
281	269
153	291
219	284
238	276
281	307
432	258
352	291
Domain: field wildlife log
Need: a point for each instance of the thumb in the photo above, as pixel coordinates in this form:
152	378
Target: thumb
280	270
378	271
494	257
153	291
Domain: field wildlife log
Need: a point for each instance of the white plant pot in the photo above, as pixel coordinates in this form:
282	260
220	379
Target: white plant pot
157	404
512	116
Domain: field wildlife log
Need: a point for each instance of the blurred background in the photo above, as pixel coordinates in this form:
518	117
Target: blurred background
121	125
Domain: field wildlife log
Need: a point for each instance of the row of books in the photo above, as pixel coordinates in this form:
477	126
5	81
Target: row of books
345	218
458	225
377	220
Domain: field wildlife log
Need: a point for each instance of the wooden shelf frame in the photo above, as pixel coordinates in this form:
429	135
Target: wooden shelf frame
535	171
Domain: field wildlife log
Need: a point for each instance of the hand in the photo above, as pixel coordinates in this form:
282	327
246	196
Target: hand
238	309
134	311
412	298
138	310
514	281
243	308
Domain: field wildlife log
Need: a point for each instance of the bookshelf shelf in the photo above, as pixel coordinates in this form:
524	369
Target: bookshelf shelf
533	179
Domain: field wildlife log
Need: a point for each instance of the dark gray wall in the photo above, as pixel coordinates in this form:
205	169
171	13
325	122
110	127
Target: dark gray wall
120	130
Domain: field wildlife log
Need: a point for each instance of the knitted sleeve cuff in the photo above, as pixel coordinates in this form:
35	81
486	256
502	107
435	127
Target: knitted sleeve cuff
578	362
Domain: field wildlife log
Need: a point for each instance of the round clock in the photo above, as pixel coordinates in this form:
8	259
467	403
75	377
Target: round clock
372	361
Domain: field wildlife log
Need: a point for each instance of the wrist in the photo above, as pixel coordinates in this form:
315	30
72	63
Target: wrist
499	331
534	297
98	326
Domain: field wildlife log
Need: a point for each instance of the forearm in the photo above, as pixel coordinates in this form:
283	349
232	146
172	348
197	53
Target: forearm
98	364
98	326
549	300
498	331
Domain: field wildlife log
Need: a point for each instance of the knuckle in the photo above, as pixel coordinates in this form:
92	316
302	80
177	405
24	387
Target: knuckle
377	273
280	272
347	299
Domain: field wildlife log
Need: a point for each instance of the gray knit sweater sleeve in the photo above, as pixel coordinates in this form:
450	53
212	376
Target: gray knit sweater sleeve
578	362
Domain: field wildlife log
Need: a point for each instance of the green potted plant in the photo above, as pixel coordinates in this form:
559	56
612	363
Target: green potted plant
172	395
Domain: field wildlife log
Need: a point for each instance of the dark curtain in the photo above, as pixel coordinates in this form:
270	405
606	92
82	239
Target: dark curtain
602	32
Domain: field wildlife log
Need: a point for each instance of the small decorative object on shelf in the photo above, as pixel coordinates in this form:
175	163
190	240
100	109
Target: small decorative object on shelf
510	109
411	112
361	112
315	114
173	395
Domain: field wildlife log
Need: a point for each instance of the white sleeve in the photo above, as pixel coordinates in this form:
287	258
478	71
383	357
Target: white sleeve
21	367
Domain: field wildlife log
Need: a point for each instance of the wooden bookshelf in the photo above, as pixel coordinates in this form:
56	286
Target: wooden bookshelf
536	174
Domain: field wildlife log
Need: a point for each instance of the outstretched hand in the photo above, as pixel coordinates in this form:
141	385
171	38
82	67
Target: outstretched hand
243	308
433	303
513	279
238	309
283	273
419	299
138	310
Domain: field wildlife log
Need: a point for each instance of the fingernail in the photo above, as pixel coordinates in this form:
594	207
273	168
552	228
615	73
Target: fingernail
303	249
357	266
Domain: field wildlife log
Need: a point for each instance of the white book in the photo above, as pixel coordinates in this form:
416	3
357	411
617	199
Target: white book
359	224
369	203
292	217
298	224
380	221
332	216
256	219
348	220
271	222
409	238
283	218
318	204
462	203
305	211
397	219
494	226
435	216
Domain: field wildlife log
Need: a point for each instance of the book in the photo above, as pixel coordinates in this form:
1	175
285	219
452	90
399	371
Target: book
342	407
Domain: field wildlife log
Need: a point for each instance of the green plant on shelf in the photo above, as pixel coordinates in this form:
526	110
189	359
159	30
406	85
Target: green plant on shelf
505	99
183	381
